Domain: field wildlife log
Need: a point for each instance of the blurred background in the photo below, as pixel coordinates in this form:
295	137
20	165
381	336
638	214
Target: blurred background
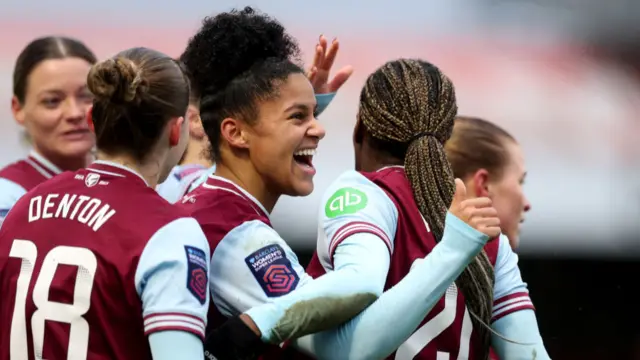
562	76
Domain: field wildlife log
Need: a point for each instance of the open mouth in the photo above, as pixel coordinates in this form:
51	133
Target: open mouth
304	157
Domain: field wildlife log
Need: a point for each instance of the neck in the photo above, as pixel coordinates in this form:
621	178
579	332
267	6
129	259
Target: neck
247	178
372	160
196	154
66	163
150	170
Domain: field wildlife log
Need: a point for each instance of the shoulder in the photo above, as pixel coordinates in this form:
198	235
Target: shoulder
22	174
10	192
352	192
220	212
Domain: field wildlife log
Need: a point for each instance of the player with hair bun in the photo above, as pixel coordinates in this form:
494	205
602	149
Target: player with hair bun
99	265
392	213
257	109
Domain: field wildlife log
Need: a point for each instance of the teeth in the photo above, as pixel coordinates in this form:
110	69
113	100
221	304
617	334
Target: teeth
305	152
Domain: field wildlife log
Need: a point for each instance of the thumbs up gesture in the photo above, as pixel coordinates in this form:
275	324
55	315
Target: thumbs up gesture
477	212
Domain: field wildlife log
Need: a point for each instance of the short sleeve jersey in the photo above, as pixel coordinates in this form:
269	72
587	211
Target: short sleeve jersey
92	262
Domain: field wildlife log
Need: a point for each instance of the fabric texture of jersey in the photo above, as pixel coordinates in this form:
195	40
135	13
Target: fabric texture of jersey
381	203
97	261
18	178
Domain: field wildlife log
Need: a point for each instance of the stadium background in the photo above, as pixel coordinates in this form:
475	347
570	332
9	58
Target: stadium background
562	77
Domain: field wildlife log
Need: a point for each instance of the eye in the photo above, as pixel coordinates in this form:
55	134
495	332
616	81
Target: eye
51	102
85	96
298	115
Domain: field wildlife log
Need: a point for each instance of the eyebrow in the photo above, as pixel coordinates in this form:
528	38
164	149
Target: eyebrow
299	106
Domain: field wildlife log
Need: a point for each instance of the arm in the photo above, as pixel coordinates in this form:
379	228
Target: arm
513	315
10	192
172	281
171	345
405	305
254	271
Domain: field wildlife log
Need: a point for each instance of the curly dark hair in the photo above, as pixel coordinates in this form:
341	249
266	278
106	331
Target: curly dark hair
235	59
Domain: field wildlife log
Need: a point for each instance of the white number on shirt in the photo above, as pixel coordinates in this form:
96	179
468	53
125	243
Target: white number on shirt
434	327
71	314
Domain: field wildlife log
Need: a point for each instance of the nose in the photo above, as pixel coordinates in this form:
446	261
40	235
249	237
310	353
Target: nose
74	110
316	129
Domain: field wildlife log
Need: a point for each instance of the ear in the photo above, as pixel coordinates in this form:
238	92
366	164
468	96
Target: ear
195	122
234	133
90	119
175	130
18	110
480	183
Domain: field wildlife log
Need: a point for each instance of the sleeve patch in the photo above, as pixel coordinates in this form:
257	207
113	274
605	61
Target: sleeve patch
197	276
273	270
345	201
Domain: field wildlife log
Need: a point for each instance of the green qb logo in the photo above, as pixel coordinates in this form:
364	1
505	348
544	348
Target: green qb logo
345	201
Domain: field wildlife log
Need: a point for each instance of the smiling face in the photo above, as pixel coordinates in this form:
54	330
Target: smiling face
283	141
55	107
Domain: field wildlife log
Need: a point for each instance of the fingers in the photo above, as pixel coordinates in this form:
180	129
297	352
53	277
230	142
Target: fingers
460	194
330	55
479	202
340	78
312	74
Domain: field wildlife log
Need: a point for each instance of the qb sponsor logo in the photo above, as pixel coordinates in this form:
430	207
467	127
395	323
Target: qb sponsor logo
345	201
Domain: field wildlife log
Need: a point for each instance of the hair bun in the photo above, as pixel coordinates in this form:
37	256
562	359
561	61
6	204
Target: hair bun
116	80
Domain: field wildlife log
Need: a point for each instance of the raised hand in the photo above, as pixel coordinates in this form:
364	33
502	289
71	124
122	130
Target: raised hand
318	74
477	212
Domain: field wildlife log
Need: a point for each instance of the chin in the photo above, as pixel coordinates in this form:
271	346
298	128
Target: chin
77	148
301	188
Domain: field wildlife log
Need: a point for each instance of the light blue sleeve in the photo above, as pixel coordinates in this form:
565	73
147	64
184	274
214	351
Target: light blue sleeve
254	271
513	311
172	279
323	101
10	192
171	345
353	204
404	306
522	327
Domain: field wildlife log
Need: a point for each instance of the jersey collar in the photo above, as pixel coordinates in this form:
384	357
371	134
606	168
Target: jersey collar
217	182
114	169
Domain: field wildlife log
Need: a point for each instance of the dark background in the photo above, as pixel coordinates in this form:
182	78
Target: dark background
586	307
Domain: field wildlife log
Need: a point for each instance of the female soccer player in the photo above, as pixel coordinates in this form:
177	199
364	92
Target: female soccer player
257	108
196	166
99	265
50	99
395	208
490	162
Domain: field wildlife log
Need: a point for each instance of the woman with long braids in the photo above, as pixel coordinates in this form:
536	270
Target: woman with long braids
397	201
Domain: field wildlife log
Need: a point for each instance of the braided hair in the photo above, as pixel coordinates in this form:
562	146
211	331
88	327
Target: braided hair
408	107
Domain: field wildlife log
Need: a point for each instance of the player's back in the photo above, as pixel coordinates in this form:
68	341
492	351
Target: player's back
71	279
447	329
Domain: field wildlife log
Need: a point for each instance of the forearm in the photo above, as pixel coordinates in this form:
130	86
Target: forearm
171	345
404	306
361	265
523	340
